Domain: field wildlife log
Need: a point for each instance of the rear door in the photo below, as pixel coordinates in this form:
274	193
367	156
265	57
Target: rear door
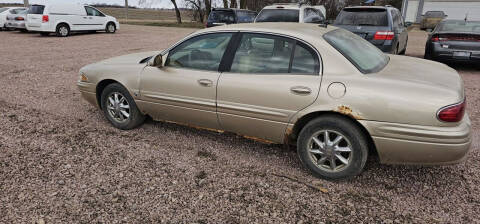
34	16
269	78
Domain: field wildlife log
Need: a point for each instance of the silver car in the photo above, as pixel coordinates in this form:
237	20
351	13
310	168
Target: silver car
17	21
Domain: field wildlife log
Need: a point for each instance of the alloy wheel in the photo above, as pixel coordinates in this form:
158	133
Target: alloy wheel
330	151
118	107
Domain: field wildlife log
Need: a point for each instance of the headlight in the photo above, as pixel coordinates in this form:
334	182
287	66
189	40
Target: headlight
83	78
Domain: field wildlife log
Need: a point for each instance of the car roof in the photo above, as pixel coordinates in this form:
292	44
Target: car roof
286	6
300	30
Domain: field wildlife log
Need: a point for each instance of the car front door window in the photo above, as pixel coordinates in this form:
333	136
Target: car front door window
201	53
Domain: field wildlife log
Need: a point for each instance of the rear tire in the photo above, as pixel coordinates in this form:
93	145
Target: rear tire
110	28
348	155
120	108
63	30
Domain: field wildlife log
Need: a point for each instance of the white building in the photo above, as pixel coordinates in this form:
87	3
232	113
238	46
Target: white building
455	9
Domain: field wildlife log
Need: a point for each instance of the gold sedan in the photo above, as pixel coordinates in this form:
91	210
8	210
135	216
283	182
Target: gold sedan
330	92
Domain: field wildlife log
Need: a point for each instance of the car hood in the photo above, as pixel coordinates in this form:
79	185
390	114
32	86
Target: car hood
130	58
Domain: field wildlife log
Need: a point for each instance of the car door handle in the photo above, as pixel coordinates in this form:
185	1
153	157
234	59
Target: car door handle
84	17
302	90
205	82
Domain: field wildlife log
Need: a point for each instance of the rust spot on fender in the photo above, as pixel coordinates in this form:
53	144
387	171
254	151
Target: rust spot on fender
346	110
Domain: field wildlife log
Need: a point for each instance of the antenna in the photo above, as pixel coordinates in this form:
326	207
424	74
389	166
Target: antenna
466	17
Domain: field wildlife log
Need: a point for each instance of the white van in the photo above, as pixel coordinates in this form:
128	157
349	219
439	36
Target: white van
63	18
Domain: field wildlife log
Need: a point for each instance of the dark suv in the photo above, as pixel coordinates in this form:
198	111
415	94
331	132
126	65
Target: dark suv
220	16
383	26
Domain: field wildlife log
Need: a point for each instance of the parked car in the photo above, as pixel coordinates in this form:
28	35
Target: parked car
64	18
220	16
17	21
292	12
327	90
454	41
383	26
4	12
431	18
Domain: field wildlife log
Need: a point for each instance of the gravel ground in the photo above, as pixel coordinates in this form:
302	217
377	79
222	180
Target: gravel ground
61	162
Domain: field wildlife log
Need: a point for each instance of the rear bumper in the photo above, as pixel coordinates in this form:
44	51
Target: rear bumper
425	145
443	54
16	24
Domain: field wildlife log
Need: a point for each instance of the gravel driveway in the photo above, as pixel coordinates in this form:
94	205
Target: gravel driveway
61	162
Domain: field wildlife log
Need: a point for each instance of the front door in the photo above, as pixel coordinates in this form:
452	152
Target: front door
270	79
184	90
95	20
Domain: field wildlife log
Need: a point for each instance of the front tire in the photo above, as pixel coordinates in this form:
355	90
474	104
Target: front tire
332	147
120	108
110	28
63	30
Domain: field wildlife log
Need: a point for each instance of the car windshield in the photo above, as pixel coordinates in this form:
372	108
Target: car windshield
36	9
3	10
246	16
362	17
459	26
278	15
366	57
221	16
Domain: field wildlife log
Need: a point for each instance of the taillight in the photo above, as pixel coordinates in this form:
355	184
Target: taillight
19	18
452	113
384	35
44	18
435	39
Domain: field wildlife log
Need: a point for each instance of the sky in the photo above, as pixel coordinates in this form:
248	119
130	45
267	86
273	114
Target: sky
160	4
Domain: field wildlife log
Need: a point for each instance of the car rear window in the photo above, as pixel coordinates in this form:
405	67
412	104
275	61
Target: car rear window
459	26
278	15
221	16
36	9
362	17
246	16
365	56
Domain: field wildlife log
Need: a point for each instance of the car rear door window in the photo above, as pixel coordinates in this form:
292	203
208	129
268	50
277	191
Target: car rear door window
305	60
278	15
362	17
203	52
259	53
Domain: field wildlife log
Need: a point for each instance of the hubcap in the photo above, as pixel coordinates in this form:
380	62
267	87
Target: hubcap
117	107
111	28
330	150
63	31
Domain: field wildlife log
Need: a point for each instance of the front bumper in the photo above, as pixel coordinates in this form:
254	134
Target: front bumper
425	145
87	90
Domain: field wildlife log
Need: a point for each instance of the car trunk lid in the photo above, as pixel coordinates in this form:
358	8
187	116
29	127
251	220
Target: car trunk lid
443	82
458	40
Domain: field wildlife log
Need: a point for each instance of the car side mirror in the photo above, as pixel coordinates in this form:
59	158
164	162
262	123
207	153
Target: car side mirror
157	61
